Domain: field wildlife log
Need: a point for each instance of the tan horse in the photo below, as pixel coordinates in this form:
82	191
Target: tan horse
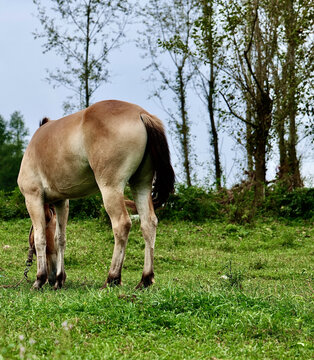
103	147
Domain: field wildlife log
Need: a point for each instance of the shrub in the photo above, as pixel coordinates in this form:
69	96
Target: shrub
191	203
88	207
298	203
12	205
239	205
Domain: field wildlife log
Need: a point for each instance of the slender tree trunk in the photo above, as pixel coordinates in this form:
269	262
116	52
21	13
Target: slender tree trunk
249	139
185	131
214	134
249	99
207	7
294	169
86	62
264	120
283	167
263	110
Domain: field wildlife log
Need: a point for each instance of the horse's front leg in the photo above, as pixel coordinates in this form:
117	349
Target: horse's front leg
62	212
35	209
121	225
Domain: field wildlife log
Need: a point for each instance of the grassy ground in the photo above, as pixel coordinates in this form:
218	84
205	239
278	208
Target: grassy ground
222	292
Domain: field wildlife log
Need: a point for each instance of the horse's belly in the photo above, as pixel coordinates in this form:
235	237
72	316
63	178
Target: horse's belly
72	184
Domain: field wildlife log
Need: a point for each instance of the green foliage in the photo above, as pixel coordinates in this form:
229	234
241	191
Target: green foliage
298	203
191	203
12	143
12	205
240	207
88	207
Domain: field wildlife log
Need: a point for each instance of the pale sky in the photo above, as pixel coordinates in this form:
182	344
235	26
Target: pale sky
23	88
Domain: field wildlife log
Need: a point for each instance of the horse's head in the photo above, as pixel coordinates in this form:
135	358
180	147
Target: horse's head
51	252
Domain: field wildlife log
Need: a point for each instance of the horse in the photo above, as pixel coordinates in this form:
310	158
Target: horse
101	148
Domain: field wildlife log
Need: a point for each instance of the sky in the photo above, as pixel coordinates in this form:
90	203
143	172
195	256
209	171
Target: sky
23	87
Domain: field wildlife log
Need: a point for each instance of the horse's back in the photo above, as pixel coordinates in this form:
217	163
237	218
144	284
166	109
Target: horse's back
106	140
115	139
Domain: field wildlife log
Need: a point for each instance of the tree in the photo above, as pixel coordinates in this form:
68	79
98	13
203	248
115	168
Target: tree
208	43
17	132
271	64
168	31
292	73
3	132
12	144
83	33
250	37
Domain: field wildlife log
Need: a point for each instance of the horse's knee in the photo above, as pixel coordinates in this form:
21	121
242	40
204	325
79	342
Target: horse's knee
153	220
60	241
149	226
122	228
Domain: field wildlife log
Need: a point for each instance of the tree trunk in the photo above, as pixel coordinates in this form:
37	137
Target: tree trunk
283	167
249	139
263	109
214	135
184	131
294	169
207	7
86	62
264	119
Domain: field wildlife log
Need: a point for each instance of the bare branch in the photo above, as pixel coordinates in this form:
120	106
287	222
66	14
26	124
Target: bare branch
248	49
235	114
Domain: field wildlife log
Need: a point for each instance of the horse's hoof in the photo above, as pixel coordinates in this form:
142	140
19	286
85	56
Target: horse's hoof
40	281
146	281
60	280
37	285
52	279
112	281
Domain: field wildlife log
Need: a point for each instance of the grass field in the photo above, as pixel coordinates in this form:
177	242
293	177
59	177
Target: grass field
222	292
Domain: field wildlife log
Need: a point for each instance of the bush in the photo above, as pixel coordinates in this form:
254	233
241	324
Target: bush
88	207
191	203
298	203
239	204
12	205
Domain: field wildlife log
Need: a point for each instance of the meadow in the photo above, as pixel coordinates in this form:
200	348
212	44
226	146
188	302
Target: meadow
222	291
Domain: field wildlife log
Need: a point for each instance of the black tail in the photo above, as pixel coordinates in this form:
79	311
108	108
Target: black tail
158	148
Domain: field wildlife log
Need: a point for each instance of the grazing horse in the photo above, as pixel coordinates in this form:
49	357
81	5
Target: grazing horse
102	147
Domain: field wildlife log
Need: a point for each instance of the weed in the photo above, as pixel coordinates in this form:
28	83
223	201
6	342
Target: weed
258	264
232	277
288	240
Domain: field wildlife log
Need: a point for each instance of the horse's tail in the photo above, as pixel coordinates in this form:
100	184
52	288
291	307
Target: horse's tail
158	149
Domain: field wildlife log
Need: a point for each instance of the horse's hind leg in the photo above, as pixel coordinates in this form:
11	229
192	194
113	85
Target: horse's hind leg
35	207
143	200
62	212
121	224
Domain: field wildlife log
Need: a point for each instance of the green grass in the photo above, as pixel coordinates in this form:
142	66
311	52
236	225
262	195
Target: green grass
222	292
